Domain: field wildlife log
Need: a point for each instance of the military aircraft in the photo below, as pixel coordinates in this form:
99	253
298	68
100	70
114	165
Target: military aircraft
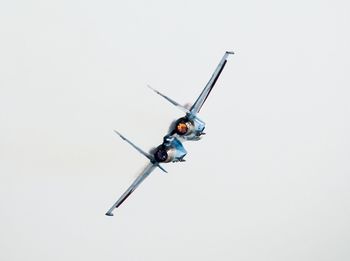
190	127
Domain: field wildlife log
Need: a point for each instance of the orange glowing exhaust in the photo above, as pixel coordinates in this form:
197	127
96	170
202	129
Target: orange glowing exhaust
181	128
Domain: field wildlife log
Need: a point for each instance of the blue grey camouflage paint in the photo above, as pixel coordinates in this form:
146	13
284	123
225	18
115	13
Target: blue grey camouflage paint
189	127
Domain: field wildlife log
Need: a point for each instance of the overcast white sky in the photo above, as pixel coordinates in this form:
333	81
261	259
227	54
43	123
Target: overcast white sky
269	181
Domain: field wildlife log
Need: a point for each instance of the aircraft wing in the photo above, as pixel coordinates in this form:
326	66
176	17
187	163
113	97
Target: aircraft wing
150	167
207	89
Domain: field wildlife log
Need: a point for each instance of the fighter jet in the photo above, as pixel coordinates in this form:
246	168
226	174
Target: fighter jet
190	127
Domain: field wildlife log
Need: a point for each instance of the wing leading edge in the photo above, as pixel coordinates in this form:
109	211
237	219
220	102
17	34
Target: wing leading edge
207	89
148	170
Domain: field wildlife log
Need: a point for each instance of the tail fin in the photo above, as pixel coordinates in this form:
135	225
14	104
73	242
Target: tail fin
181	107
147	155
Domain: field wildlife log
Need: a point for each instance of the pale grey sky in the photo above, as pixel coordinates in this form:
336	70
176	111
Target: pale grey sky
269	181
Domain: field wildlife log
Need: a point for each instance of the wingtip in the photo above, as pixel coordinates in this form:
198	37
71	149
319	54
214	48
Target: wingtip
150	87
230	52
109	214
117	133
120	135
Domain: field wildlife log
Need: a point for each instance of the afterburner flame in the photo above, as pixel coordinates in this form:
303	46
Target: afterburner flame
181	128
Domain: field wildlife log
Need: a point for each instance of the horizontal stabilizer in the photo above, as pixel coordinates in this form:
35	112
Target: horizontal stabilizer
181	107
147	155
161	168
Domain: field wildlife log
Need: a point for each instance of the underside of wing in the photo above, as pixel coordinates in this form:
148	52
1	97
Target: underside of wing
207	89
149	168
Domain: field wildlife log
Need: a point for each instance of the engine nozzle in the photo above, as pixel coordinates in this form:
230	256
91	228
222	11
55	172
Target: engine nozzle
183	127
164	154
161	155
